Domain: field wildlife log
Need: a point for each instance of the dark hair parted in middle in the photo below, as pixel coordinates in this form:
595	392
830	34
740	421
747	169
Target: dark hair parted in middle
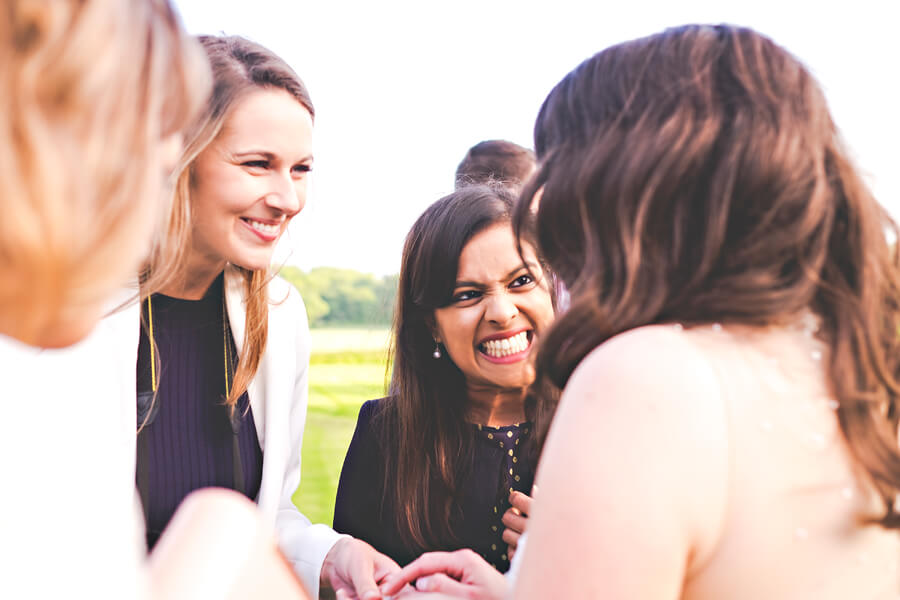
696	176
422	425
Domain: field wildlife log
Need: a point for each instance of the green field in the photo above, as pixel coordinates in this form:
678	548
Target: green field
347	367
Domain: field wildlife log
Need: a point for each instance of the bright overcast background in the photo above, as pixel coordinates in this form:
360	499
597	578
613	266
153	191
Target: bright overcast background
403	89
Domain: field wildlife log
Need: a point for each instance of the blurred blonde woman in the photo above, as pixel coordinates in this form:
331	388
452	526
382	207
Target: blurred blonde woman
93	95
224	348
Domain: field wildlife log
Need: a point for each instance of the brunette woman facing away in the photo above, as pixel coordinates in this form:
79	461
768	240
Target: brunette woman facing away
224	350
433	466
731	348
94	95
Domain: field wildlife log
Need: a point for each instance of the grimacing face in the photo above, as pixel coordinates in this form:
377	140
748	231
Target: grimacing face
500	305
252	179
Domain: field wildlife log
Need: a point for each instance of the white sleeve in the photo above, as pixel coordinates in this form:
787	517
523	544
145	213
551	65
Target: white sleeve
304	544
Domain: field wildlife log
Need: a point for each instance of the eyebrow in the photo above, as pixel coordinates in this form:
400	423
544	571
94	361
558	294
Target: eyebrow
475	284
267	155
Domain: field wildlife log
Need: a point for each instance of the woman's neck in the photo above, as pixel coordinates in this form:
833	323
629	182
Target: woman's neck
495	408
192	281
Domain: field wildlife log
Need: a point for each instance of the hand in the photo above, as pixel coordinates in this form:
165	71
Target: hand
460	574
515	519
353	568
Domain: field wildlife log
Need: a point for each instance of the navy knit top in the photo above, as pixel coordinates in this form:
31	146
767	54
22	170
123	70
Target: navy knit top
189	442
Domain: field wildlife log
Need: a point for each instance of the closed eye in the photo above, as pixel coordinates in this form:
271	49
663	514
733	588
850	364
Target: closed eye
302	168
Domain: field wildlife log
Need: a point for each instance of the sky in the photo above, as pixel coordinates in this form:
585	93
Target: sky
403	88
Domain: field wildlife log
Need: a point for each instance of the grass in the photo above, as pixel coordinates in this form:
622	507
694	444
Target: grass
347	367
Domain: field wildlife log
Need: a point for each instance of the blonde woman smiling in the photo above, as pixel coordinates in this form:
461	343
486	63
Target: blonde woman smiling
224	348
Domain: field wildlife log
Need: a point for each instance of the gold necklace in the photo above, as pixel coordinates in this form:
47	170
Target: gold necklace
154	380
234	416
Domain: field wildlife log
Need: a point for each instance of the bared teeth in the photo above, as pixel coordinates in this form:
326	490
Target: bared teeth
507	346
263	227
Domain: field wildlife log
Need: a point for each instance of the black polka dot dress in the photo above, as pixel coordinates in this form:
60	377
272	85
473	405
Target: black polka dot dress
501	463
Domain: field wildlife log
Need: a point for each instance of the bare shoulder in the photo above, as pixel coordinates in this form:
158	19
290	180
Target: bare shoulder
661	360
653	390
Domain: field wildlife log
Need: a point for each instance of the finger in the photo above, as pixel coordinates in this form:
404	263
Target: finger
431	562
440	583
414	594
510	552
511	537
513	521
521	501
363	577
384	566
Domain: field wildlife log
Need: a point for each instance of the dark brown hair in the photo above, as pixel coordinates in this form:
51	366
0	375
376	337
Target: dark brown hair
239	66
495	161
696	176
422	425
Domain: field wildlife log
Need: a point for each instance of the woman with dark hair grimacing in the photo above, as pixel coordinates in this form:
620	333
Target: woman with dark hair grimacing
731	347
446	461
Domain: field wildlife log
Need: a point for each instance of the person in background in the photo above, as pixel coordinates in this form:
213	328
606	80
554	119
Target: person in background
438	463
731	349
496	161
224	349
93	97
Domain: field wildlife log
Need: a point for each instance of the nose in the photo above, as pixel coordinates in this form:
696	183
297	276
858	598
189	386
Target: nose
501	309
287	196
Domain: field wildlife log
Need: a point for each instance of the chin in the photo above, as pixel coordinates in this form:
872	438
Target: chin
514	383
252	263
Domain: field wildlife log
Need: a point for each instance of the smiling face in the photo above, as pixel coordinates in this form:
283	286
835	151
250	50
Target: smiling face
251	180
497	311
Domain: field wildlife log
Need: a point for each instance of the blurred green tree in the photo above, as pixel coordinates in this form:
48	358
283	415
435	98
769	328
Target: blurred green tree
338	297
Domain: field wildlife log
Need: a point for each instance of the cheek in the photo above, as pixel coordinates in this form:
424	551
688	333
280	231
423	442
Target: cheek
205	214
301	204
548	315
216	203
541	310
457	331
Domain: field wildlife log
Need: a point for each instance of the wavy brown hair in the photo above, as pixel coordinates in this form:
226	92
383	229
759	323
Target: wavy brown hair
88	91
422	425
696	176
239	67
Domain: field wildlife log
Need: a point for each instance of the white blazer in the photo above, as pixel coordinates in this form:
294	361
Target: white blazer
278	398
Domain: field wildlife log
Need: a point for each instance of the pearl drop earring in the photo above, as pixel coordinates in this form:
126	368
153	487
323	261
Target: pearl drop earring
437	350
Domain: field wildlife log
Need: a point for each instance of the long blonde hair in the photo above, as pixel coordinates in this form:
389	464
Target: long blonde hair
239	66
88	91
